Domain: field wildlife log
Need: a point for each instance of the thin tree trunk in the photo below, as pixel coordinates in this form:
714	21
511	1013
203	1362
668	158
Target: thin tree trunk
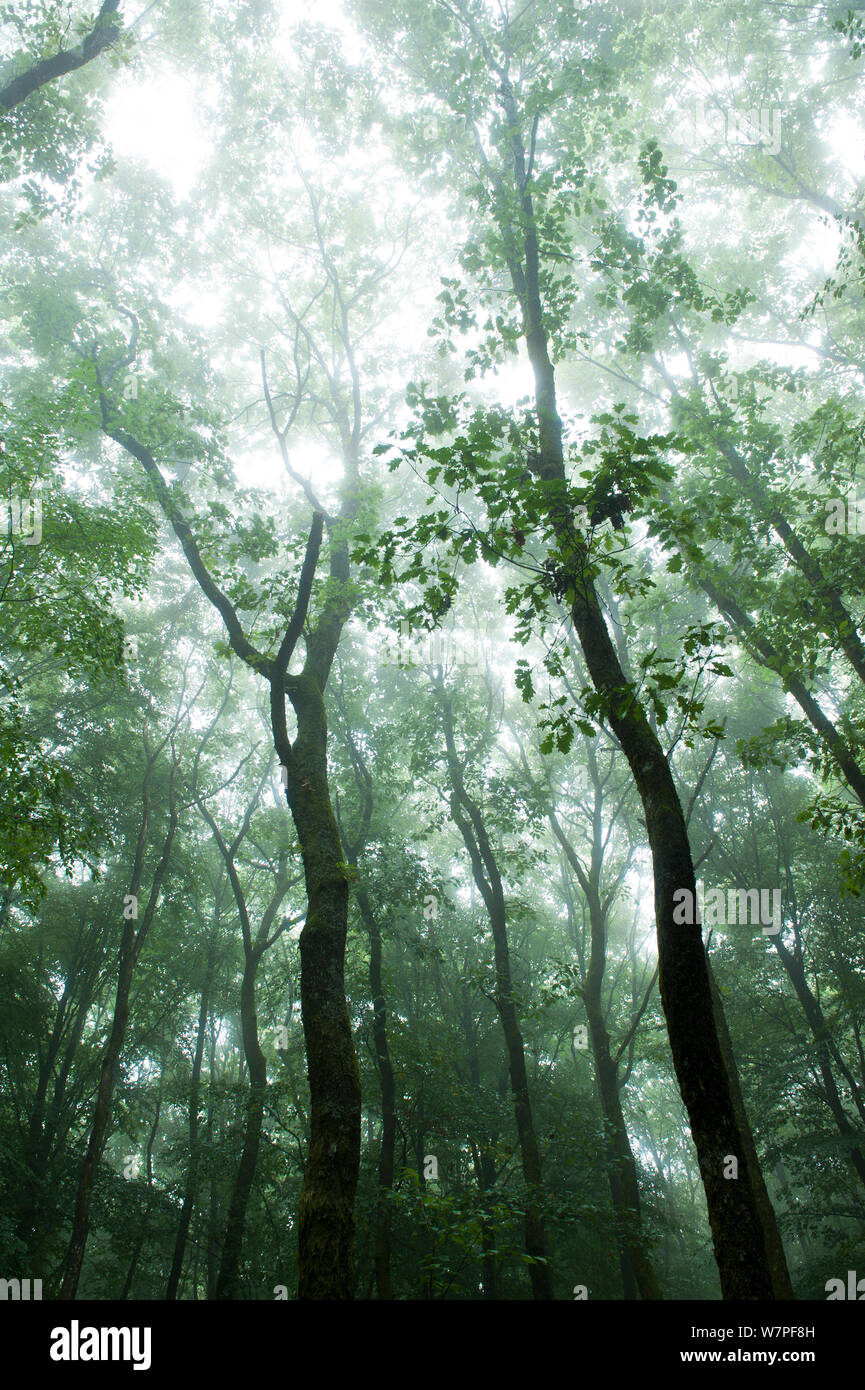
148	1210
130	949
38	1148
823	1046
638	1273
766	654
384	1288
49	1143
470	823
353	848
483	1163
228	1282
485	1177
842	625
212	1247
191	1189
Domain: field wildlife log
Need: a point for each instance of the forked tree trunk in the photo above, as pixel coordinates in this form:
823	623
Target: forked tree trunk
326	1206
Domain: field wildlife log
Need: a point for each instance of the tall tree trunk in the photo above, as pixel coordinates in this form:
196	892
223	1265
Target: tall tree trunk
56	1127
228	1282
482	1161
383	1216
469	821
144	1225
73	1005
213	1212
354	845
130	949
823	1048
326	1207
190	1193
485	1175
638	1273
744	1231
254	948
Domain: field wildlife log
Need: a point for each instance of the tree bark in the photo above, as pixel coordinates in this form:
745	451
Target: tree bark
38	1199
774	1245
148	1208
228	1282
354	846
482	1161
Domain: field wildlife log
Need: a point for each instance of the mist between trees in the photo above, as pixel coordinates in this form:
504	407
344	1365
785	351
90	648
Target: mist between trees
431	439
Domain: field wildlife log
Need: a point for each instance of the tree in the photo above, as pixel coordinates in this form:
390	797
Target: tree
747	1246
469	820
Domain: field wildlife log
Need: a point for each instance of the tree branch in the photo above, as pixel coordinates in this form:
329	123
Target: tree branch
237	638
107	28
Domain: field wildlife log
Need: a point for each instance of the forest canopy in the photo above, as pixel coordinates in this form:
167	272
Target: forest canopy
432	750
